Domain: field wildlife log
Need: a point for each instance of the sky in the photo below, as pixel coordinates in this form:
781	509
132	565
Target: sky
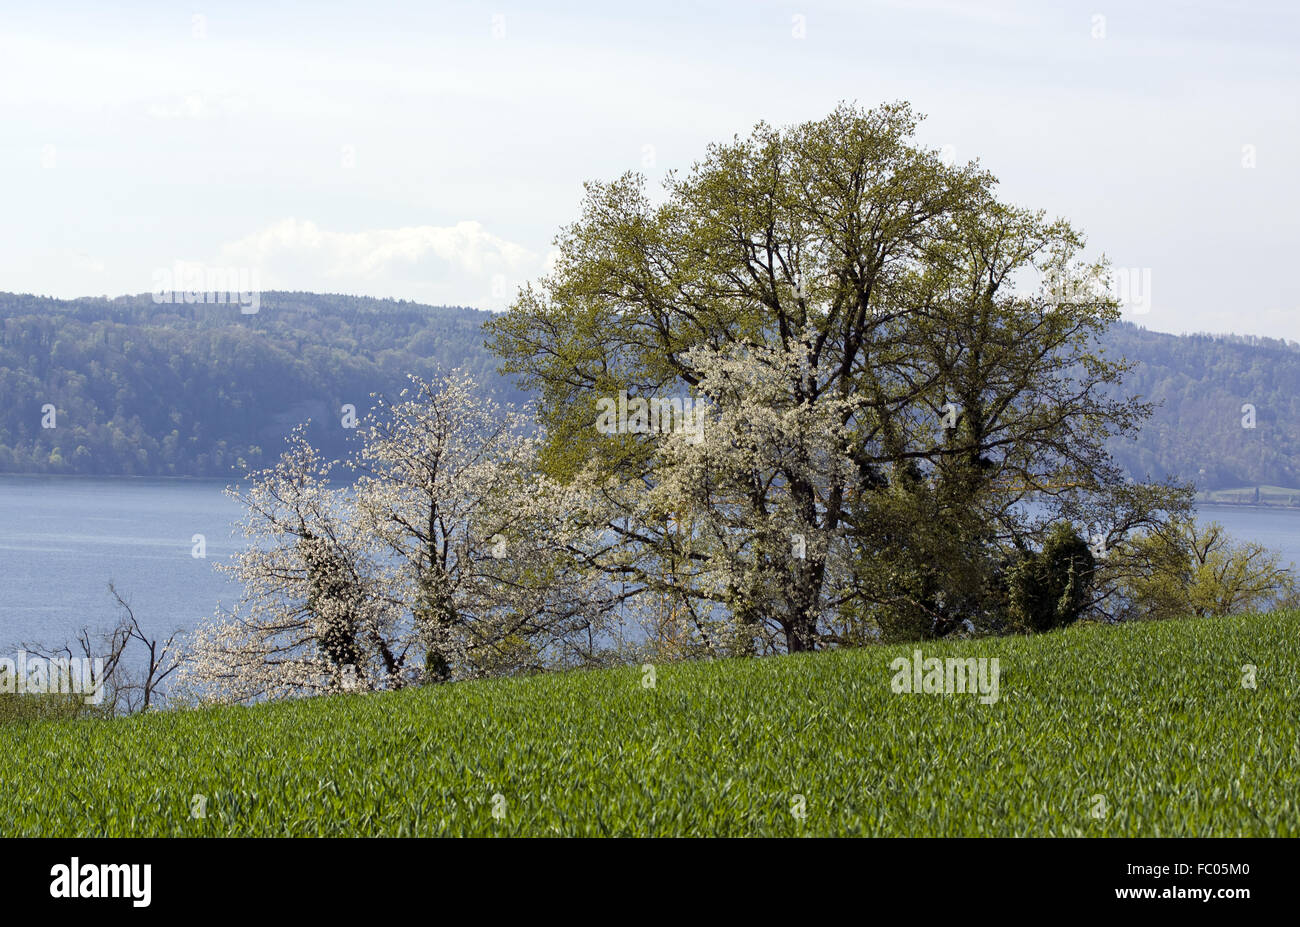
431	151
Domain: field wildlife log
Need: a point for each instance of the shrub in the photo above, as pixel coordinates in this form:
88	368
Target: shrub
1051	588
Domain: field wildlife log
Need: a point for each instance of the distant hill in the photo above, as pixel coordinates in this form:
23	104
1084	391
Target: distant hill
1202	383
191	390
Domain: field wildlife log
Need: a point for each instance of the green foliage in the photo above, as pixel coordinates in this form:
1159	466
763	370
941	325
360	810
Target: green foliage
1153	716
1188	569
921	569
199	390
1050	588
30	706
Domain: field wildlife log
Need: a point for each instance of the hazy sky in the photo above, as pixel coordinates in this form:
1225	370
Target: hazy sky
431	150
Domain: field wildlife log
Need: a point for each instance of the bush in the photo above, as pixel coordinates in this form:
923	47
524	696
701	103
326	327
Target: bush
30	706
1051	588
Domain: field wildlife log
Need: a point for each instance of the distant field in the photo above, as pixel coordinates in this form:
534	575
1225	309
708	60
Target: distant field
1137	730
1268	495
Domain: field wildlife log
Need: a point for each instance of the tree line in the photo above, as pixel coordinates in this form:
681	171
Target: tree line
867	427
201	390
138	388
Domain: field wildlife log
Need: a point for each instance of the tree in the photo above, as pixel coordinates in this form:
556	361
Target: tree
127	685
894	361
1183	569
314	616
480	543
139	690
448	556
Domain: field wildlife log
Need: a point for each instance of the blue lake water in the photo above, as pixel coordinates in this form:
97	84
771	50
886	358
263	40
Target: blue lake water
1275	528
62	539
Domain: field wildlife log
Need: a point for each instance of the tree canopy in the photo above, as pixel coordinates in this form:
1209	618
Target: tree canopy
896	361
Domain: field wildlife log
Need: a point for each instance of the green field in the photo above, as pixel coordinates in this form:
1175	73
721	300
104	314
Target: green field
1153	718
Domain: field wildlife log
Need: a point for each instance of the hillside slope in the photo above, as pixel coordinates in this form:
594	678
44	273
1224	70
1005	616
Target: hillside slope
191	390
1141	729
1200	384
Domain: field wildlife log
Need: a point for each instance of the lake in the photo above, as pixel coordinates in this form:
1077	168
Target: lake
62	539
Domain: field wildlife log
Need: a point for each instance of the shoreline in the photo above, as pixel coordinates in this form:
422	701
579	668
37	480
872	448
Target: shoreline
113	476
235	480
1249	505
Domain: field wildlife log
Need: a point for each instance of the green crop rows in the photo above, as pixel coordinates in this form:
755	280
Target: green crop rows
1138	730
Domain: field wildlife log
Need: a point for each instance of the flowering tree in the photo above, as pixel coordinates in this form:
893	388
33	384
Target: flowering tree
314	616
734	526
448	556
480	546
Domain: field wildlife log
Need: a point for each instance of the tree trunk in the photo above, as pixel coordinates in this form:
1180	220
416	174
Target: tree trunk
801	635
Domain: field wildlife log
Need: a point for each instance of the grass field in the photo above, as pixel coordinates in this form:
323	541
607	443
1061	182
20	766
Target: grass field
1139	730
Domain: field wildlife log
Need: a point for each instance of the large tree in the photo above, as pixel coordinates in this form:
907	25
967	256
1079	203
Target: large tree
895	361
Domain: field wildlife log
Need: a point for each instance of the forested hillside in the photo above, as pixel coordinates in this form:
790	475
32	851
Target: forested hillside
191	390
1200	429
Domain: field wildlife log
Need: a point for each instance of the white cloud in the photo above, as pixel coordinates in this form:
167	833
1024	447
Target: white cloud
415	262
